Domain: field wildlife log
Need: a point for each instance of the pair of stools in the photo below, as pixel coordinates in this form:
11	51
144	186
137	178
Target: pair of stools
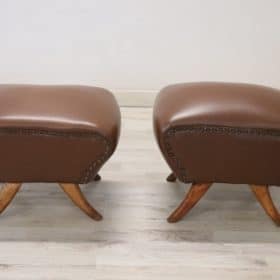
207	132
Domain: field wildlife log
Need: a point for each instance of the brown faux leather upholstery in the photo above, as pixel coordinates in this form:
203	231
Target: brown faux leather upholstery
220	132
56	133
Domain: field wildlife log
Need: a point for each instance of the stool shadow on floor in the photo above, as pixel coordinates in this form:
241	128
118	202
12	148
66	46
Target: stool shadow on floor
229	213
137	211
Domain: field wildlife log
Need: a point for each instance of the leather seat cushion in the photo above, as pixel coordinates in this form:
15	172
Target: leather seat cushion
220	132
56	133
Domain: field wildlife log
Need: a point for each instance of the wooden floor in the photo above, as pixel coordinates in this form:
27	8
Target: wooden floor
226	236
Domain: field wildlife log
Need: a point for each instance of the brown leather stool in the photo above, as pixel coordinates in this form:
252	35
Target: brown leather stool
58	134
220	132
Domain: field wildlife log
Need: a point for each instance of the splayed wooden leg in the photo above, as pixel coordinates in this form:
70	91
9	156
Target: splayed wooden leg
7	193
193	196
263	196
75	194
171	178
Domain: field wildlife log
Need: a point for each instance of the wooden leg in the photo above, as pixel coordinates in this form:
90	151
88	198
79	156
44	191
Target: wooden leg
263	196
171	178
75	194
193	196
7	193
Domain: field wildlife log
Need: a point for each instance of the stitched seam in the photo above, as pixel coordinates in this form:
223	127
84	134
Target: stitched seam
90	171
204	130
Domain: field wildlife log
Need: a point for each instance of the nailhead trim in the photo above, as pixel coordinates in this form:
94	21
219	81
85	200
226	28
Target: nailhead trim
180	171
92	169
89	173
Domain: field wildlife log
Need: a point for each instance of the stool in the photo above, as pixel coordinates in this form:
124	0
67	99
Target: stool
220	132
58	134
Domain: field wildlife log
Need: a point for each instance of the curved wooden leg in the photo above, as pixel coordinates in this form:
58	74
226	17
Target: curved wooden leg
171	178
7	193
193	196
75	194
263	196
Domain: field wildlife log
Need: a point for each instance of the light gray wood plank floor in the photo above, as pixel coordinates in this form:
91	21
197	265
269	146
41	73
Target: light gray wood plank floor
226	236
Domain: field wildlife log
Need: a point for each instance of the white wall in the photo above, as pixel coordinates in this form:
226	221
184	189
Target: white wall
139	45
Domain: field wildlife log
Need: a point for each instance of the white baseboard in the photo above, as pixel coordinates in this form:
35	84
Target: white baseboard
135	98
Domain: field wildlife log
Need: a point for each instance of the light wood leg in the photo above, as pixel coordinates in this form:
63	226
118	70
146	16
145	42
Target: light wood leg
263	196
75	194
7	193
193	196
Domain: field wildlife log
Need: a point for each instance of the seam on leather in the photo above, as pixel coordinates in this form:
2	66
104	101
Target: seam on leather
89	172
180	171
